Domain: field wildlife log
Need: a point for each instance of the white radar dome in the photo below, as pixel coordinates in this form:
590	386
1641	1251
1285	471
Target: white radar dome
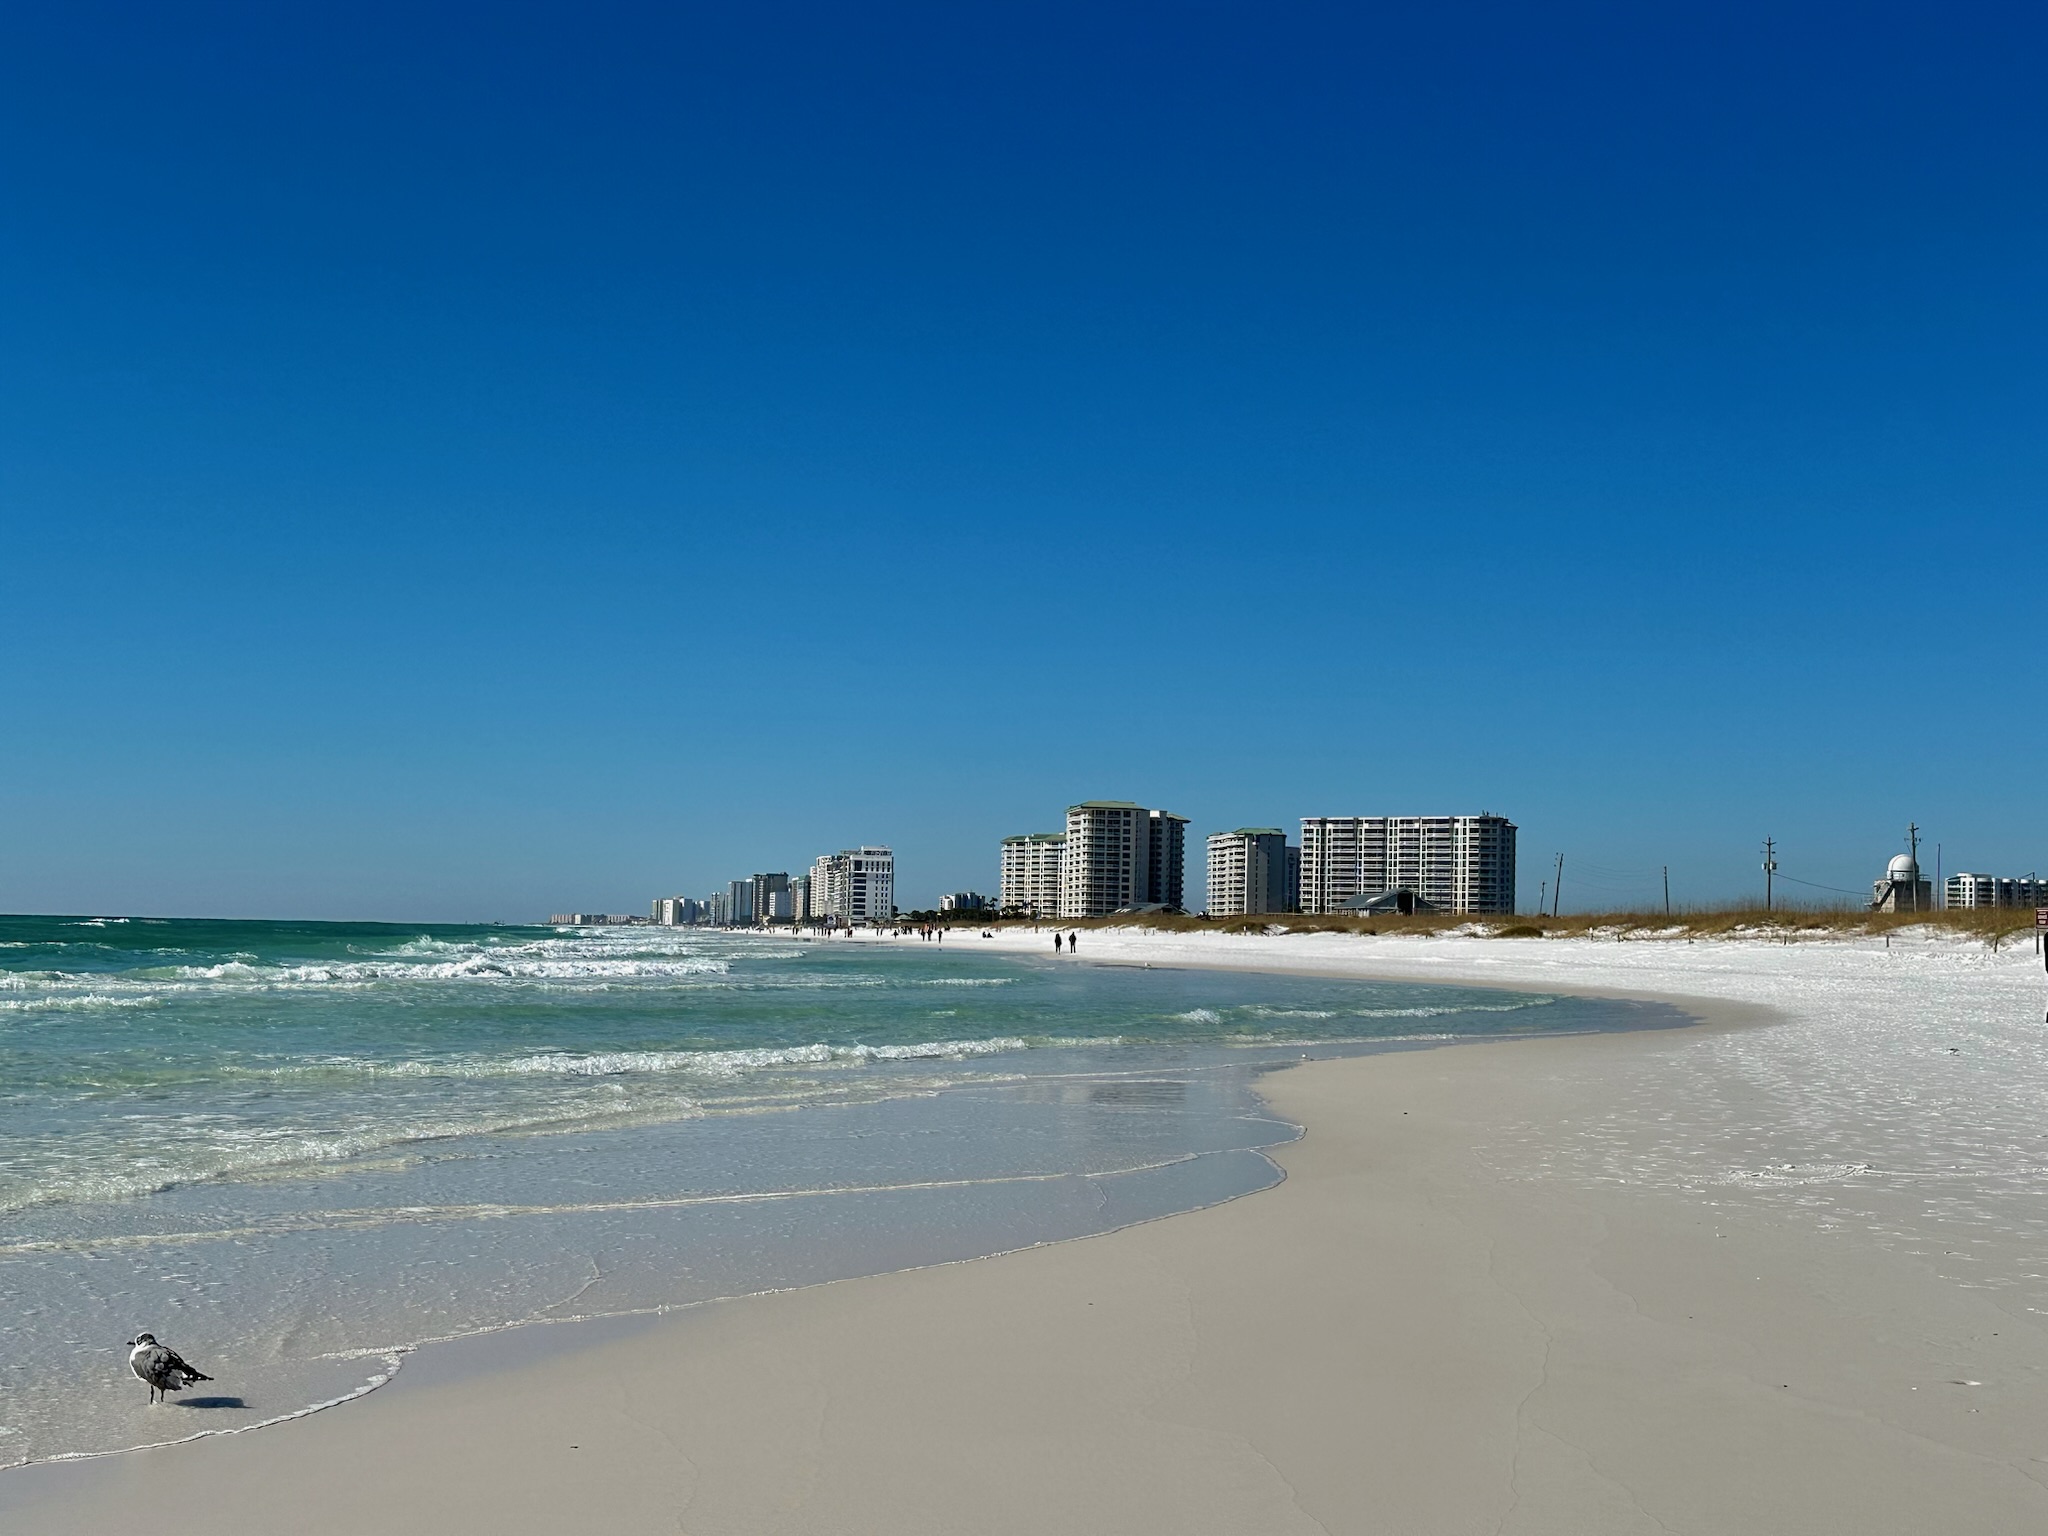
1902	867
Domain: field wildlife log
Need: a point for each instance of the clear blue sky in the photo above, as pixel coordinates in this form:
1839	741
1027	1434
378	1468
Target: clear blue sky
467	462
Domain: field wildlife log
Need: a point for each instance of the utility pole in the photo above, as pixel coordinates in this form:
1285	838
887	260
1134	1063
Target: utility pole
1557	886
1770	868
1913	847
1667	890
1542	896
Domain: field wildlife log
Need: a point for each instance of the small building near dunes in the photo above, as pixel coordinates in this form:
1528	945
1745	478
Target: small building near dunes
1902	889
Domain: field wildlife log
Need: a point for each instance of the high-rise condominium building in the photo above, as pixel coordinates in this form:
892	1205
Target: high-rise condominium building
739	911
1120	855
856	885
771	898
1994	891
1254	869
1031	874
1454	863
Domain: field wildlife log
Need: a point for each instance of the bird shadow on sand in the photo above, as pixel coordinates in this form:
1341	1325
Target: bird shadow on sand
209	1402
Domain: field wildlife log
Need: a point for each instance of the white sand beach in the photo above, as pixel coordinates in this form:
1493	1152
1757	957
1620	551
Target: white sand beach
1783	1272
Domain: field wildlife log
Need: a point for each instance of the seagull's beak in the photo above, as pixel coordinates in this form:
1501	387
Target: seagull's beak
131	1343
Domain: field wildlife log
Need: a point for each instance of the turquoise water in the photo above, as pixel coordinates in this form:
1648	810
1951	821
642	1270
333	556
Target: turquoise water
295	1150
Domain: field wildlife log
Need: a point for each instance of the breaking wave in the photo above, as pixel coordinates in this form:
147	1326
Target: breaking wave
79	1000
715	1064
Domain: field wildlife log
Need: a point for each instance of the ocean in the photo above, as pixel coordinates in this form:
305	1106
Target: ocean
295	1151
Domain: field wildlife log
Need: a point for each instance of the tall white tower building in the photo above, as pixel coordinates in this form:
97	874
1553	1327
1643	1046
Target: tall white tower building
1253	870
1118	854
855	885
1031	873
1453	863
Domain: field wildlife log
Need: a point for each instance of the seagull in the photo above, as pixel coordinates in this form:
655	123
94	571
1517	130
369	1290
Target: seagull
161	1368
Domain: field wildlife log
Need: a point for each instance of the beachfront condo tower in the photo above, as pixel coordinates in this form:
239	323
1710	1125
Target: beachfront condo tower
1995	891
1252	870
855	885
1451	863
771	898
1030	881
1120	855
739	909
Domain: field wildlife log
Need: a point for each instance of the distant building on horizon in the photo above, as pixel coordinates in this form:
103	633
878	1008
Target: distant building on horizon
1030	879
739	911
678	911
821	909
1994	891
771	898
1253	870
855	885
1121	855
963	901
1450	863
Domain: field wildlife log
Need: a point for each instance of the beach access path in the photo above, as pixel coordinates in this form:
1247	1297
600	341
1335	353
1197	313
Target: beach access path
1774	1274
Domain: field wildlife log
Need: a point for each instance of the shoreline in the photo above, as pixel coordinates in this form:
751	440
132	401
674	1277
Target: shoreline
387	1359
1321	1095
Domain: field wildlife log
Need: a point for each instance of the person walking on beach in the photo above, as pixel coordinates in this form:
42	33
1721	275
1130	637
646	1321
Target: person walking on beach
1056	938
1073	943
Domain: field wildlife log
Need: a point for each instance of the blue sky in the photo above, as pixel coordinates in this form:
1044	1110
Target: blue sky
468	462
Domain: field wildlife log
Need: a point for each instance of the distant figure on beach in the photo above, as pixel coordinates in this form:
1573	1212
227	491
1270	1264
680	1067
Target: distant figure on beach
1056	943
1073	943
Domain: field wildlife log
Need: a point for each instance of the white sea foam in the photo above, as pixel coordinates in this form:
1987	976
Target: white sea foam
713	1063
226	1151
1801	1173
486	966
80	1000
1448	1009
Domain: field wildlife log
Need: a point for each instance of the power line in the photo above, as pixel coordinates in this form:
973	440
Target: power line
1816	885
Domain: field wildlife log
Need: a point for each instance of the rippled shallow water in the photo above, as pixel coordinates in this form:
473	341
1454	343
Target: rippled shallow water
294	1150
